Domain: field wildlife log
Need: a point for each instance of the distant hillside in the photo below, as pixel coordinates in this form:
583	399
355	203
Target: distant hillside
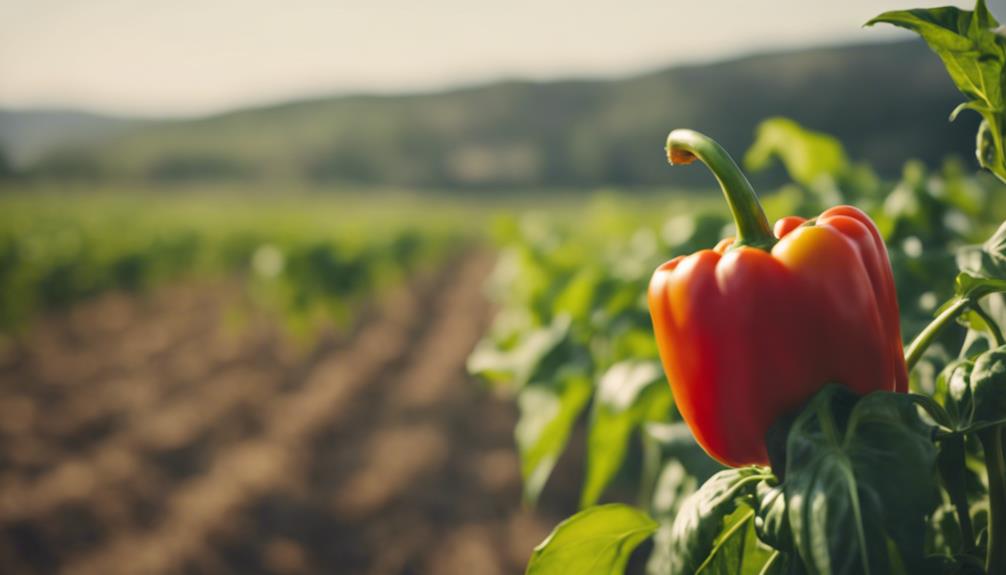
887	102
28	135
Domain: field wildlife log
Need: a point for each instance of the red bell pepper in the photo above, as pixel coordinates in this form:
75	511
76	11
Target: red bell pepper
749	330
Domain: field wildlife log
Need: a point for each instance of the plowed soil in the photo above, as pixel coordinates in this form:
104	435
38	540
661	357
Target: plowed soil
157	435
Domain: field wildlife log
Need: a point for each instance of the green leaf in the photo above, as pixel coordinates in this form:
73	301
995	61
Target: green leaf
859	472
547	415
974	56
701	528
807	155
517	363
974	288
595	541
965	41
635	342
576	299
629	393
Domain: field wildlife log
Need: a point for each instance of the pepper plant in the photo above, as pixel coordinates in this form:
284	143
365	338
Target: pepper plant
850	449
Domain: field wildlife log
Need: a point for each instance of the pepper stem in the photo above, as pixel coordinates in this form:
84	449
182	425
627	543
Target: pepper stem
753	229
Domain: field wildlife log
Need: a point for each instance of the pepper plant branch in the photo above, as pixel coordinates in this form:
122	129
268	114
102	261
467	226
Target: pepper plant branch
994	329
922	341
753	229
954	307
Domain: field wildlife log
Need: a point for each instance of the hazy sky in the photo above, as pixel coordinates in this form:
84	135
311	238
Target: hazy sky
200	56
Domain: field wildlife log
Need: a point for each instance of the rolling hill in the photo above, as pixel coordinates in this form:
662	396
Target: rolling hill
26	136
887	102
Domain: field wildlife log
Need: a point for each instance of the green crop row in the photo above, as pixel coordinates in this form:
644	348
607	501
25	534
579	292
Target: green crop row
312	259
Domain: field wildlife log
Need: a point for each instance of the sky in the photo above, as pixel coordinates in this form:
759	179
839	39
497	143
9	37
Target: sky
191	57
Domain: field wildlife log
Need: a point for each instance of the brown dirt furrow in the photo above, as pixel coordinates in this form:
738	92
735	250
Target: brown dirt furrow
72	351
244	471
192	447
119	459
420	478
120	388
149	423
90	496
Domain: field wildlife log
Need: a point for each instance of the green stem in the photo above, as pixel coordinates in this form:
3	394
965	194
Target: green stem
994	329
753	229
992	444
927	335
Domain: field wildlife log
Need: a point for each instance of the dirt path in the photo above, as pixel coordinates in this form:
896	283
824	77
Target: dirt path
145	436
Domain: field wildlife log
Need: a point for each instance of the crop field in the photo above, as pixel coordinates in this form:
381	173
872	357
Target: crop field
173	407
145	435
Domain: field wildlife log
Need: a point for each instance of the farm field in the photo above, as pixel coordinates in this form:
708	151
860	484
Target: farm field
143	434
191	417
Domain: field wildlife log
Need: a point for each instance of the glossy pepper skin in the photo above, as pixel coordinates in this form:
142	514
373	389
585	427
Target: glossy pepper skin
750	330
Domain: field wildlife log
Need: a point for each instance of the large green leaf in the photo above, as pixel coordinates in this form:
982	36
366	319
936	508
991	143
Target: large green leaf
859	473
707	533
629	393
595	541
547	415
974	54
